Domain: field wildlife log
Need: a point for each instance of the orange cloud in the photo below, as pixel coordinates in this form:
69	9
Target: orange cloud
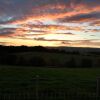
81	43
46	15
47	23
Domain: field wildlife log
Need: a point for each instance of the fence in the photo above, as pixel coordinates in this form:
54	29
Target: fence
40	89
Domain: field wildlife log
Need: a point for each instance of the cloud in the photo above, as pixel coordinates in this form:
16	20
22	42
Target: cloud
50	20
3	43
6	31
81	17
69	33
43	39
95	30
95	23
82	43
15	10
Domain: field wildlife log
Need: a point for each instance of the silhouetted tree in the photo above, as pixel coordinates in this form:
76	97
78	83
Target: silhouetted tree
86	63
10	59
97	63
71	63
37	61
22	61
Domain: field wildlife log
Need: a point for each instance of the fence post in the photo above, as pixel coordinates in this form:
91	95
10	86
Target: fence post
37	87
98	88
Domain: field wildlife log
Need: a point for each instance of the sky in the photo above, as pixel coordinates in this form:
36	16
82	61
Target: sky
74	23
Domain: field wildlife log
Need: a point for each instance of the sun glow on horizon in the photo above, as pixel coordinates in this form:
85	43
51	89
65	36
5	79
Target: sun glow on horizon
50	23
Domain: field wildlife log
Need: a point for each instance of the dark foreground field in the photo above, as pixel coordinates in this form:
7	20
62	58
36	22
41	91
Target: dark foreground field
15	79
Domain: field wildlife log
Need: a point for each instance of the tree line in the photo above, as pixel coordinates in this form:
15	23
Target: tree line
77	51
10	55
40	61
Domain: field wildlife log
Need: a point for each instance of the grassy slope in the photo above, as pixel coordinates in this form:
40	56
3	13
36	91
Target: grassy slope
12	76
14	72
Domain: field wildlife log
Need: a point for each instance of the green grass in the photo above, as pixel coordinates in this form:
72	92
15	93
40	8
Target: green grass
61	73
67	78
14	72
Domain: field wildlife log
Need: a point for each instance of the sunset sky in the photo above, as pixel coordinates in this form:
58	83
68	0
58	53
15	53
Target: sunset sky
74	23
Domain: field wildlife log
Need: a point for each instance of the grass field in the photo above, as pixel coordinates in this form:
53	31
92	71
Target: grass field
65	76
78	78
21	72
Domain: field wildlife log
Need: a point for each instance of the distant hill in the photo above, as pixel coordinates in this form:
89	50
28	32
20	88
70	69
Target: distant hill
50	56
81	50
77	50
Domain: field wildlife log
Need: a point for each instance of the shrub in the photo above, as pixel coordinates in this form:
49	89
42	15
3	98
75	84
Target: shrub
71	63
37	61
86	63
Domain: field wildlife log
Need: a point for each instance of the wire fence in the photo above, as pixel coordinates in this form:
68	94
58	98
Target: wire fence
47	95
44	91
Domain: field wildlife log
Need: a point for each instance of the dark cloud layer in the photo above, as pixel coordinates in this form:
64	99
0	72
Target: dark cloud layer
6	31
19	9
81	17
